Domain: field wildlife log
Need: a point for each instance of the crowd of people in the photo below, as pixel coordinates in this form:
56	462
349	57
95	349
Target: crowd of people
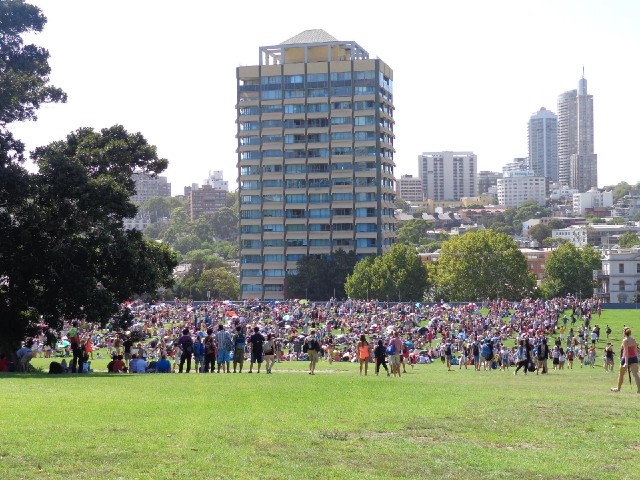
218	336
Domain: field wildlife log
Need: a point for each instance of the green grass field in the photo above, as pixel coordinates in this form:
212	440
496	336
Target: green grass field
428	424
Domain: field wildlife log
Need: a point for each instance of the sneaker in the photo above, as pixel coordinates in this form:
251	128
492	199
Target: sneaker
515	373
615	390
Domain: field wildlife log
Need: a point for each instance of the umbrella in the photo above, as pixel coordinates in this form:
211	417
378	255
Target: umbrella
231	313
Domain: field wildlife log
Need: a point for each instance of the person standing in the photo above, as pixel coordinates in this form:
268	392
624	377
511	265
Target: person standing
364	354
394	358
628	361
256	340
209	352
381	357
127	345
239	341
313	348
198	354
73	335
185	342
224	346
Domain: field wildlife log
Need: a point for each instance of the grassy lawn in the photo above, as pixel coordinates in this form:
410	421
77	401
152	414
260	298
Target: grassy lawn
428	424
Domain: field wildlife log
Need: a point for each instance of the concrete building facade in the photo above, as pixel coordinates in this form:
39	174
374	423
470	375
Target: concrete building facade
448	175
205	201
148	187
515	188
619	279
315	158
409	188
592	199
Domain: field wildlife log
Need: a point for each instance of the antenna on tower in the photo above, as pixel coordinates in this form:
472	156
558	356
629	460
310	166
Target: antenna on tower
583	71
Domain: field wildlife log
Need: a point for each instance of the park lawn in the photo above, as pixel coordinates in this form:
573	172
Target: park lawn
337	424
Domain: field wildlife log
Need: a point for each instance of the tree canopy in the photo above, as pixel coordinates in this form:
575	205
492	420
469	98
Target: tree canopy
480	264
629	239
397	275
69	255
569	270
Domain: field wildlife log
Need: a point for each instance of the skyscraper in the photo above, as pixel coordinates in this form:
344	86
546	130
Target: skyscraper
315	157
543	144
577	162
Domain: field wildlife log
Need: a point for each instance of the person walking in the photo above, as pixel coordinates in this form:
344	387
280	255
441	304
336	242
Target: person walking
313	348
269	349
380	355
364	354
524	355
628	361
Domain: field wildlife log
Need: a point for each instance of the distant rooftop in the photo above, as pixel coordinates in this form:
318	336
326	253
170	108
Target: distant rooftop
312	46
310	36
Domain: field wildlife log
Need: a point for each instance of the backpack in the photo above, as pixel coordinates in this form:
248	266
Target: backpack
486	351
268	348
240	340
447	349
209	346
55	367
391	349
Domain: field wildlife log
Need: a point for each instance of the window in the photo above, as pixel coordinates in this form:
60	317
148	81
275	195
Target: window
274	258
621	268
621	286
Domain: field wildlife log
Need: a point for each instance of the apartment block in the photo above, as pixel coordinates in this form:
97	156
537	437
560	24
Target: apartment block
315	157
448	175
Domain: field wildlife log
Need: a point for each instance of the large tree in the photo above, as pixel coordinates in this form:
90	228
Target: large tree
414	232
72	257
569	269
320	277
478	265
398	275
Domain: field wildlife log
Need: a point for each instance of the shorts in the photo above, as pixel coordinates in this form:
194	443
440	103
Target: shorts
394	359
238	355
448	357
223	356
256	357
313	356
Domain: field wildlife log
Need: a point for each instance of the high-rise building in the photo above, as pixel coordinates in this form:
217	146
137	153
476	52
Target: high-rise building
148	186
448	175
315	157
409	188
543	144
577	162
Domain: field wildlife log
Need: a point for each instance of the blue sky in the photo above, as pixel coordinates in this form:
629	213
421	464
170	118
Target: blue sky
467	74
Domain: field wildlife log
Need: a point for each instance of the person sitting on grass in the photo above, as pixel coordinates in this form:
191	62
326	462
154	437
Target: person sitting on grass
163	365
25	354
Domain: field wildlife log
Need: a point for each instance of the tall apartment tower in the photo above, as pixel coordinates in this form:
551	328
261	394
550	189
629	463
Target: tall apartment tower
315	157
448	175
543	144
577	162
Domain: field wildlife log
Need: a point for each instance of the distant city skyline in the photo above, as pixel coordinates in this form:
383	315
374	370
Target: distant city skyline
465	80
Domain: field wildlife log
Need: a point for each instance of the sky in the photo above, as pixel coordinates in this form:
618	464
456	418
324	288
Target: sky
468	74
